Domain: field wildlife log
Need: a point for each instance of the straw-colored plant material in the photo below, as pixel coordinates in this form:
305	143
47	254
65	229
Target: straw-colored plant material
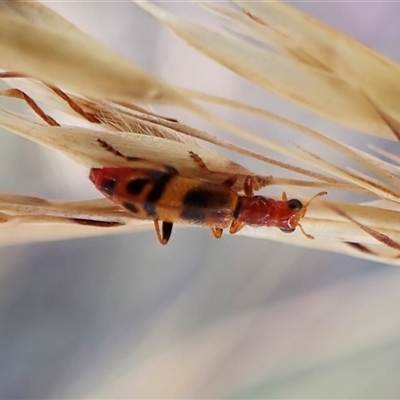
109	95
310	82
37	42
29	219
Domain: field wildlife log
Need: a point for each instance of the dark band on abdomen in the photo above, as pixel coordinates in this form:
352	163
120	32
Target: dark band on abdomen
136	186
158	188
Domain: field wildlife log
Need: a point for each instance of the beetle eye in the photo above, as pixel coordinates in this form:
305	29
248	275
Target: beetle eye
289	230
295	204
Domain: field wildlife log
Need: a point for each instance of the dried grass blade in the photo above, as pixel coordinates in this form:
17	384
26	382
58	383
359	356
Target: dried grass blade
321	92
119	117
373	186
338	185
379	236
31	219
360	157
381	164
343	56
80	64
41	16
373	252
80	144
32	229
385	153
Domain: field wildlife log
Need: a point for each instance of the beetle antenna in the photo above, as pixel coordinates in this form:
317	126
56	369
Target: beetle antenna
307	235
317	195
304	210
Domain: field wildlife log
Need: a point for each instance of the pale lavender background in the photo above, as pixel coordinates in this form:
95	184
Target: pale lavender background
78	316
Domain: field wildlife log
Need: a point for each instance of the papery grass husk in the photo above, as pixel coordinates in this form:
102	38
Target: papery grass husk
325	223
31	219
334	95
32	47
109	95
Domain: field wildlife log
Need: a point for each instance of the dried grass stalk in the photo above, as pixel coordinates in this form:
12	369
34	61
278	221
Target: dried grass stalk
335	94
109	95
30	37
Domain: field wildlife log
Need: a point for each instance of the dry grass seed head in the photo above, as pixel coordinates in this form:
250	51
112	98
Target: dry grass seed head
300	60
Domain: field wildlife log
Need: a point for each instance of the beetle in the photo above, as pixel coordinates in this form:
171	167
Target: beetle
158	192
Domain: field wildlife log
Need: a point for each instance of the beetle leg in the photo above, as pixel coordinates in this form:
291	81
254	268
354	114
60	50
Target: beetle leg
142	161
248	186
236	226
217	232
198	160
164	234
166	231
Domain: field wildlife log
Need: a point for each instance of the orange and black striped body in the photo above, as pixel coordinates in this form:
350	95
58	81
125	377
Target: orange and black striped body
167	196
162	195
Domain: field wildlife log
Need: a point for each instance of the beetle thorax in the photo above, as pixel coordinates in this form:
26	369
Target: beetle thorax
262	211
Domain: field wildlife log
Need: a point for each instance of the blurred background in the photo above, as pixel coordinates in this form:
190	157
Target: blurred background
123	317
